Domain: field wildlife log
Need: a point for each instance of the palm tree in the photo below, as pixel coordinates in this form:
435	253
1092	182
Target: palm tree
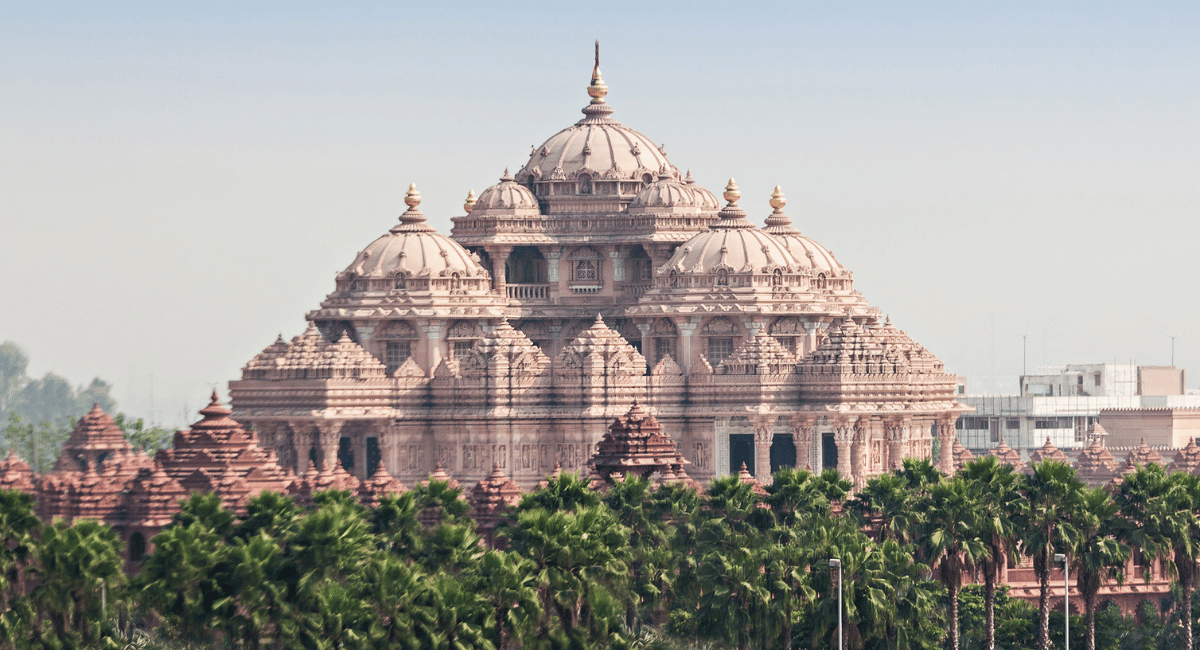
256	601
888	500
269	513
179	580
18	528
507	582
1162	511
994	488
208	509
950	538
580	560
650	564
74	562
567	491
1099	555
1050	492
795	496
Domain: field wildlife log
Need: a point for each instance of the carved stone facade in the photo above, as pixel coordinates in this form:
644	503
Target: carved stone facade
595	275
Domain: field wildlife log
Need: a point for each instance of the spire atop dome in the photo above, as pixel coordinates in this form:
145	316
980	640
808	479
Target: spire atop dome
413	220
778	223
470	202
731	216
597	110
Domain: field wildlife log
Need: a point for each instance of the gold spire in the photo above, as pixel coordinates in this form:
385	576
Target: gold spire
778	200
413	198
732	193
597	90
470	204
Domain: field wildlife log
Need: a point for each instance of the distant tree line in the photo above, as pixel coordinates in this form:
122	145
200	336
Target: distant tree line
637	566
38	414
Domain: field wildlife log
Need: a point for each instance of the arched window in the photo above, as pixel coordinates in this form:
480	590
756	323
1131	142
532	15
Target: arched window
462	336
395	341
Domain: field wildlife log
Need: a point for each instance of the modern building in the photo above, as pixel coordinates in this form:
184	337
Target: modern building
1061	406
595	275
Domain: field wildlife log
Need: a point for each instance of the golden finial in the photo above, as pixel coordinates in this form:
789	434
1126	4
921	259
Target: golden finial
597	90
413	198
732	193
778	200
470	204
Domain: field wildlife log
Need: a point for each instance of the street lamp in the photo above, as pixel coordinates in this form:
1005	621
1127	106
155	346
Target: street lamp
837	564
1059	557
1172	337
1024	340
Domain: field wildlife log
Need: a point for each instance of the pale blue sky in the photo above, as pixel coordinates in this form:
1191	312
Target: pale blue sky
178	185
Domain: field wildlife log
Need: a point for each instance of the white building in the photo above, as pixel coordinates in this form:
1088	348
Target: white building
1062	405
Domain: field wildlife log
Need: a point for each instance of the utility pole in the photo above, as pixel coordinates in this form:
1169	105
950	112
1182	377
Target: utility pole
1172	336
1024	341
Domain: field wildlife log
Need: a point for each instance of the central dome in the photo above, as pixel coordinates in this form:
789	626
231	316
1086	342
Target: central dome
596	146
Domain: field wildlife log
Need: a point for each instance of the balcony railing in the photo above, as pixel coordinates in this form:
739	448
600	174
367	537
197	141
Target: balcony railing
636	290
528	291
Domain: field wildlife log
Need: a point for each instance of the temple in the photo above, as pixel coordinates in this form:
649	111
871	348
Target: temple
596	275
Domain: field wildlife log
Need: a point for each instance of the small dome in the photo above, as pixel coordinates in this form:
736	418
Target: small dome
705	200
731	244
505	195
413	248
808	253
666	192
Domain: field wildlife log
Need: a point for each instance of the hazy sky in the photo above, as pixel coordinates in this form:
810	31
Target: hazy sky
177	186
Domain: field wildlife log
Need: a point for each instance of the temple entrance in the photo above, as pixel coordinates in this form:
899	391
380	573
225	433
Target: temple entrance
346	454
829	452
741	450
783	452
137	547
372	456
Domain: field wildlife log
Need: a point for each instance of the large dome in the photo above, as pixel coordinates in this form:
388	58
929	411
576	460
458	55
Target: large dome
808	253
598	146
413	249
731	244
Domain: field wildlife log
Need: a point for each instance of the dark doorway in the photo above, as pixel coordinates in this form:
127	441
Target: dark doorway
346	454
741	450
137	547
829	459
372	455
783	452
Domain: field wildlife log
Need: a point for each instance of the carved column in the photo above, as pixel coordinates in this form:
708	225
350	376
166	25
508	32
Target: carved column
552	255
499	255
387	450
764	435
802	434
329	434
945	427
298	453
897	435
843	437
860	449
810	338
617	255
434	345
687	330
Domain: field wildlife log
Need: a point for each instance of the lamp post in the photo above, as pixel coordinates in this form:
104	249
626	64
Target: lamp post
1172	337
1059	557
1024	340
837	564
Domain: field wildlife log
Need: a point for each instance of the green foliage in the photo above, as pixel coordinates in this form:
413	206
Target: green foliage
148	438
38	444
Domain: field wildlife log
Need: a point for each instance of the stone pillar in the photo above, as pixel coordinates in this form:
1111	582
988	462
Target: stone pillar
945	427
843	436
860	449
802	434
810	338
499	255
764	435
387	449
617	255
659	254
897	435
329	434
434	344
552	255
365	331
646	344
687	331
299	451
